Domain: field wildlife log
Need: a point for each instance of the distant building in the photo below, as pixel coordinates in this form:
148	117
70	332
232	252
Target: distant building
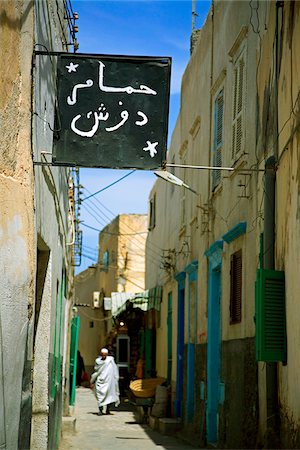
122	254
120	268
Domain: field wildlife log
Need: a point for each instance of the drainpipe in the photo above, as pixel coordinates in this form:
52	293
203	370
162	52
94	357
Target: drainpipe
273	419
269	212
269	263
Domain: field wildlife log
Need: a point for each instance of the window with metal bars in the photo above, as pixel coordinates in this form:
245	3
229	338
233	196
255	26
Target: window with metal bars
239	82
236	267
218	137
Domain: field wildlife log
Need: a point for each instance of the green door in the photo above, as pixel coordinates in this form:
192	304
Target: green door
75	325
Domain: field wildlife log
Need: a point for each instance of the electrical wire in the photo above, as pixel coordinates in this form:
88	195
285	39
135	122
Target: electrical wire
95	214
99	221
91	248
113	215
137	244
90	253
108	186
113	234
89	257
138	240
92	318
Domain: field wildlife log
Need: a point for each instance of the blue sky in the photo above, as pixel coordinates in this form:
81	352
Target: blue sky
139	28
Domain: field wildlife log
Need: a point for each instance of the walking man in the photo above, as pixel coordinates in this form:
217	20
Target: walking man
106	380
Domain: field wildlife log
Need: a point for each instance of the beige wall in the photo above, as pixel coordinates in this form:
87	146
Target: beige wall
288	206
187	224
240	196
284	143
17	240
33	217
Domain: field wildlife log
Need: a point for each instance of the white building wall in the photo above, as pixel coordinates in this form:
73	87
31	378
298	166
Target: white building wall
34	208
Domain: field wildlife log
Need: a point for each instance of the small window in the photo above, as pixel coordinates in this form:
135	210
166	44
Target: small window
105	261
236	287
152	212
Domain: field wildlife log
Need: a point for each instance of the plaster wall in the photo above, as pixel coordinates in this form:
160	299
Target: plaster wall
52	229
282	140
108	243
231	203
288	207
187	224
31	207
16	219
209	215
133	233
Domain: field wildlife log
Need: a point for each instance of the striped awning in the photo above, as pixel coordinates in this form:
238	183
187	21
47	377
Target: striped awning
146	300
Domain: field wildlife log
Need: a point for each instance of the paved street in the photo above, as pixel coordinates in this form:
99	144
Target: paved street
117	431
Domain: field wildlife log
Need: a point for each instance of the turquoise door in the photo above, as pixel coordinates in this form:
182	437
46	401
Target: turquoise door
213	356
214	254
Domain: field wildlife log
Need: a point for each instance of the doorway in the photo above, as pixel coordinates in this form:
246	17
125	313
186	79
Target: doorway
180	344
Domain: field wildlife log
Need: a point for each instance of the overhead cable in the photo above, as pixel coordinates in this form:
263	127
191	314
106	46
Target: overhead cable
110	185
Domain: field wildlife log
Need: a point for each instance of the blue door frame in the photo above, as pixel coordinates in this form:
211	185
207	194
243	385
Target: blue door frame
180	278
214	254
192	271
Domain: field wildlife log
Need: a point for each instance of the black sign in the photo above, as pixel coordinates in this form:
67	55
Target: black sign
112	111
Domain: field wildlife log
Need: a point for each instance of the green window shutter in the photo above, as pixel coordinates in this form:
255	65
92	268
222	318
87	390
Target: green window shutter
270	316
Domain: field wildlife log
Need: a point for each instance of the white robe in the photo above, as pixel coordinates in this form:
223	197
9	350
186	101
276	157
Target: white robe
106	376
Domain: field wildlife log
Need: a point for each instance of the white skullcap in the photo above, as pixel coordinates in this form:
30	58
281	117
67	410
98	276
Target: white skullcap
103	350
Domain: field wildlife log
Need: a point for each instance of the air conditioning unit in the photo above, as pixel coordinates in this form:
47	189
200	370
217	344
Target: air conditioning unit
107	304
96	299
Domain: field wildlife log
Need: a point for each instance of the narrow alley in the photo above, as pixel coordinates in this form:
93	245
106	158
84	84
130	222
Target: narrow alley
149	224
120	430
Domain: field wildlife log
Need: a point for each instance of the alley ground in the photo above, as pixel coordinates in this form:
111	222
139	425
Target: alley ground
117	431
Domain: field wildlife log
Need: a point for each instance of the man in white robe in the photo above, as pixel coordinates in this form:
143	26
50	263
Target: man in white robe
106	379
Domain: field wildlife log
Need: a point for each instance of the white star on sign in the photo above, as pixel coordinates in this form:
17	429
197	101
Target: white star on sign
151	148
72	67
